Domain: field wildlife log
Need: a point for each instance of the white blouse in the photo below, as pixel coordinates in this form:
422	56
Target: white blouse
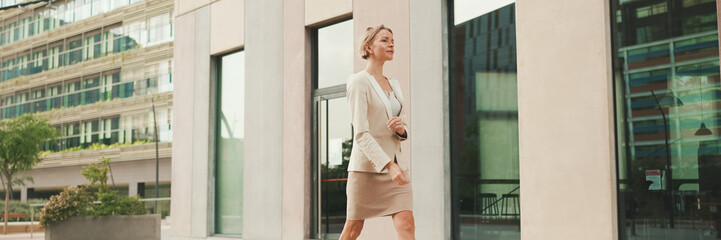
395	104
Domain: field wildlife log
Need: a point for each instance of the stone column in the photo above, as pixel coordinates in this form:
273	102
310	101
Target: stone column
566	120
263	166
24	194
430	147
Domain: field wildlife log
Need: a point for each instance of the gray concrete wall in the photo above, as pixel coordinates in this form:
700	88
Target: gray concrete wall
430	146
566	125
318	12
226	26
296	127
263	161
123	173
141	227
191	154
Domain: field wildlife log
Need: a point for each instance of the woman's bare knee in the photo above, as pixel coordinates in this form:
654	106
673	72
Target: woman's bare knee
352	229
404	222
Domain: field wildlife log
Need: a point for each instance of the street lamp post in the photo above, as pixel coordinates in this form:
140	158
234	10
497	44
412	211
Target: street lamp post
157	165
669	176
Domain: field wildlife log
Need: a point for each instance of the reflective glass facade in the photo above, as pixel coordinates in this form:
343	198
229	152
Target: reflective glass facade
109	131
668	123
229	138
104	86
60	13
484	122
76	72
87	46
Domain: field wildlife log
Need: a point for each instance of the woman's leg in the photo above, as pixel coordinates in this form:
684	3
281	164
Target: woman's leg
405	225
352	229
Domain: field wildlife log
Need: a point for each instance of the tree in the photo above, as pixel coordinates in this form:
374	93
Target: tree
20	141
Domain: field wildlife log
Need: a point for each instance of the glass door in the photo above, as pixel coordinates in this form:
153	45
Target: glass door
331	127
333	138
485	187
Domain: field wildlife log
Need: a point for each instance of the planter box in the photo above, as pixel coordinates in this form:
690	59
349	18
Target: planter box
141	227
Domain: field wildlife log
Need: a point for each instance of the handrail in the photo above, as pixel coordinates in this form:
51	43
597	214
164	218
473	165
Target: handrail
154	199
668	40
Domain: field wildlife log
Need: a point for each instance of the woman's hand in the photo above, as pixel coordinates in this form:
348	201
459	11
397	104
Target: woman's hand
397	125
397	174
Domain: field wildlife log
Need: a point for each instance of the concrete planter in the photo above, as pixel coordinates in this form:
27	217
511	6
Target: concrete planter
141	227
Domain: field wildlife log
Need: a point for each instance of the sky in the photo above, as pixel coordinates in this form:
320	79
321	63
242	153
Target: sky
465	10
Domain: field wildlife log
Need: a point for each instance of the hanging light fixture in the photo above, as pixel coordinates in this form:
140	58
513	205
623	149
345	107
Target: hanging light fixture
703	130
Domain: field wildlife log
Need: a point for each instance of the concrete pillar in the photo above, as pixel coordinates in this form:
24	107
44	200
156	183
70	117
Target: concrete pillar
567	155
192	159
263	161
430	146
132	188
24	194
296	133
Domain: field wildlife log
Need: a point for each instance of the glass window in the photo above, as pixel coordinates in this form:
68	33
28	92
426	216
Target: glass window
92	46
159	29
335	42
485	188
668	128
333	138
87	46
75	51
100	7
229	137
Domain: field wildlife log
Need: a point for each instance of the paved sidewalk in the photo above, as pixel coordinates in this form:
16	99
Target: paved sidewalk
22	236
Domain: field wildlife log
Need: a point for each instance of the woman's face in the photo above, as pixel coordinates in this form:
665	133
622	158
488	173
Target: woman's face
382	46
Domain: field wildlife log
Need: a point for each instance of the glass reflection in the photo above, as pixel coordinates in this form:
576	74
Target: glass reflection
332	128
334	153
335	42
667	89
47	18
155	78
117	38
484	117
230	133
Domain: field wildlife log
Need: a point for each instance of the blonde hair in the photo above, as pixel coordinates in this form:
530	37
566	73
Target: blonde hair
368	37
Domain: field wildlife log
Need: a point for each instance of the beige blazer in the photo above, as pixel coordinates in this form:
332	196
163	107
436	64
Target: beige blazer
374	145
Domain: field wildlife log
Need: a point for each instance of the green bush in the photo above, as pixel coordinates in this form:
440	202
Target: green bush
16	206
78	201
72	201
113	204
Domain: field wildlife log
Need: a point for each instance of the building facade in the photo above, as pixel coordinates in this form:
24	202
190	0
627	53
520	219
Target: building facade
100	70
553	119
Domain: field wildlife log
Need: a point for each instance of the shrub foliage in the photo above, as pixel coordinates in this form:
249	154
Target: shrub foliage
79	201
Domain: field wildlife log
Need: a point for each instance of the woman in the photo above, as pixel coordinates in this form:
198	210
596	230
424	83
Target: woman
377	181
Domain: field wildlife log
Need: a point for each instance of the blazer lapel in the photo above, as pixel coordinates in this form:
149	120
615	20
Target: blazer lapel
380	93
397	91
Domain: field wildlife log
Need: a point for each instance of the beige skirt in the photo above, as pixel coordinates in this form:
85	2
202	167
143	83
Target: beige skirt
375	195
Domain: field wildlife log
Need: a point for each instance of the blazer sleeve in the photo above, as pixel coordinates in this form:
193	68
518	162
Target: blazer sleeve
358	97
404	136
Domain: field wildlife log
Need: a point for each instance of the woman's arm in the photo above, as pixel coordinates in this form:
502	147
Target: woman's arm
358	101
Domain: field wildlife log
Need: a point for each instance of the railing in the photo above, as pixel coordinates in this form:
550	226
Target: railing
157	206
32	216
